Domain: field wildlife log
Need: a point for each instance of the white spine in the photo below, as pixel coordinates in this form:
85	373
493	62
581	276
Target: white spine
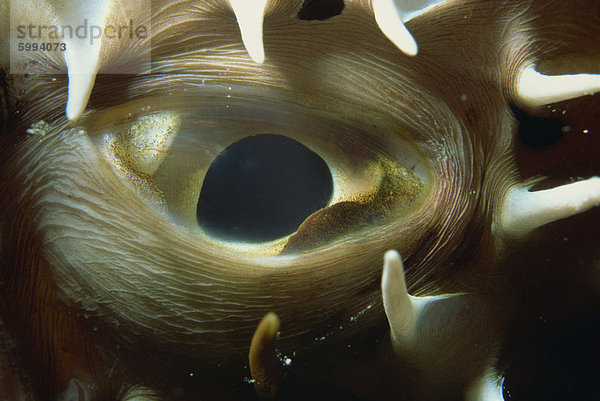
82	55
535	89
397	303
524	211
390	18
250	15
402	309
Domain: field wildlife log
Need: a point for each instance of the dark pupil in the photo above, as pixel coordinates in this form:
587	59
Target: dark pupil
262	188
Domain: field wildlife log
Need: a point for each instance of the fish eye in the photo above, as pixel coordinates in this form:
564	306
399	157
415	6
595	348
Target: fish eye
299	199
261	176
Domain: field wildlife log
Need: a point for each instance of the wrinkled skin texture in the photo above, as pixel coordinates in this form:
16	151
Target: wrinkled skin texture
93	289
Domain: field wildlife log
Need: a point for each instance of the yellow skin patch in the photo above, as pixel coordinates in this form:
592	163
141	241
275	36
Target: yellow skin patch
146	143
397	191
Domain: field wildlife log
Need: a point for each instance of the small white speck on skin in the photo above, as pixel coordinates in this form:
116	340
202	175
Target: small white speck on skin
586	131
463	97
39	128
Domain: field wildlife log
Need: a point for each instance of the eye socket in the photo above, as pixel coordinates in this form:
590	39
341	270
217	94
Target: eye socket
262	176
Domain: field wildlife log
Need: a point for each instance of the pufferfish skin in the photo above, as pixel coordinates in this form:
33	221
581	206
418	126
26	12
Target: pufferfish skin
455	258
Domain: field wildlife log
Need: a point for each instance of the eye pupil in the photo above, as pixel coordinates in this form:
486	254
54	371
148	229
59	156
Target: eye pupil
262	188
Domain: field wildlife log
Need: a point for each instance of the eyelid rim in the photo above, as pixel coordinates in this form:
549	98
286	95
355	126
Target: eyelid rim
407	154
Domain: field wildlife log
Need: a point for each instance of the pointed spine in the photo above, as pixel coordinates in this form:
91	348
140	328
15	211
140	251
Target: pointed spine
82	55
390	18
524	211
250	15
397	303
535	89
262	358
